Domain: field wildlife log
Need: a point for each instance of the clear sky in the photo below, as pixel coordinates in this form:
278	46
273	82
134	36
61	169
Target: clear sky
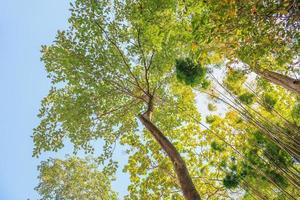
24	26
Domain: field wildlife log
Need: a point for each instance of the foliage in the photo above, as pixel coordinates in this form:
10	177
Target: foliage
104	70
234	80
246	98
189	72
231	181
210	118
249	158
117	58
263	34
212	107
296	112
269	101
74	179
216	146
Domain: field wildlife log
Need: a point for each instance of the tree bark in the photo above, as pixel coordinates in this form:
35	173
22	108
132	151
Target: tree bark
185	181
288	83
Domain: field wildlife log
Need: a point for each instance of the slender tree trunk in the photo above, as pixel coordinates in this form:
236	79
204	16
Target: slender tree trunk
186	183
288	83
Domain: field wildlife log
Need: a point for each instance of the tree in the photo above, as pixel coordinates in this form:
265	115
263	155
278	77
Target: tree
262	36
260	133
75	179
114	79
261	116
250	160
112	67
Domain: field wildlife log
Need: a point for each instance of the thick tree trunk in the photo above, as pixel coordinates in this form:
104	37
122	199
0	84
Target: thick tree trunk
288	83
186	183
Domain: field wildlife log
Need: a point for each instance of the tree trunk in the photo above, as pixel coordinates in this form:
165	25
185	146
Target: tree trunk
186	183
288	83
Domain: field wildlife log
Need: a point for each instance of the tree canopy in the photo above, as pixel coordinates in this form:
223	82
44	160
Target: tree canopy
74	178
129	72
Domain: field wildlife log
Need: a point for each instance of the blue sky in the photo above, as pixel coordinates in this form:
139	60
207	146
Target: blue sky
24	27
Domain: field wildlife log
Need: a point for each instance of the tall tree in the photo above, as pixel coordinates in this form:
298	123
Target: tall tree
114	65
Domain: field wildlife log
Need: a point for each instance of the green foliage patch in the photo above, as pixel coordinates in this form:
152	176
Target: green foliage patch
190	73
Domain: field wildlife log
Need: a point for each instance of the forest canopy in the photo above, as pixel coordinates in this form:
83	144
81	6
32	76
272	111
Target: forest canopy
203	95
